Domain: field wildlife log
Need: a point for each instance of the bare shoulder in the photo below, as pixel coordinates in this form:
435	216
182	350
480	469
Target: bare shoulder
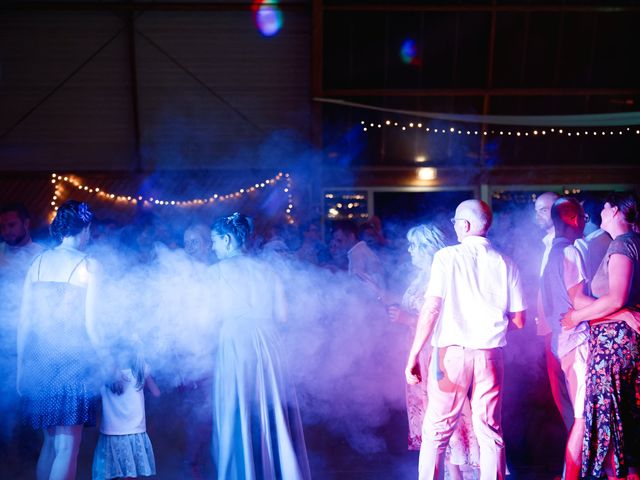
93	265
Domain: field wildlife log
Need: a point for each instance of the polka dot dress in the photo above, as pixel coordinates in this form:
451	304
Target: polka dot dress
59	384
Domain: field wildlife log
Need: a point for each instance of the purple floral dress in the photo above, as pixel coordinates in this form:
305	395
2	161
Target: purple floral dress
612	410
416	395
463	449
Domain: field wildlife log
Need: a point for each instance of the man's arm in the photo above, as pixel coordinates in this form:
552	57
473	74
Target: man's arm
517	320
426	322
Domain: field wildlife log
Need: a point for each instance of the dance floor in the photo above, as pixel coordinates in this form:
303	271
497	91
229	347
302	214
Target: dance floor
331	457
533	432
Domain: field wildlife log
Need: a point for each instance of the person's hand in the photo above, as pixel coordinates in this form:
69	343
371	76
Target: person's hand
412	371
394	312
632	318
567	320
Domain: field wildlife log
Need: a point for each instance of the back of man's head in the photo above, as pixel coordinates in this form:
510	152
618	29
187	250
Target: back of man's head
347	227
568	218
344	235
478	214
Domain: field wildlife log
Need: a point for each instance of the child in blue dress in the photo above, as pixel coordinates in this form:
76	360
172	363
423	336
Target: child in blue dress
124	449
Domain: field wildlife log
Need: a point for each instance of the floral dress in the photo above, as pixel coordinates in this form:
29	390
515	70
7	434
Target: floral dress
463	447
612	410
416	395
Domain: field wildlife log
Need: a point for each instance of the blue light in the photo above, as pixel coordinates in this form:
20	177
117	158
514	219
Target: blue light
409	52
268	17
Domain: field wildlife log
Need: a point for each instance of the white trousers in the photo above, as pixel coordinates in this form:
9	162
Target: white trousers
558	384
459	369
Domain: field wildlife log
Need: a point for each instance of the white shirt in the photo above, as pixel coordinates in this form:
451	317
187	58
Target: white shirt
366	265
19	257
593	248
478	286
123	414
547	240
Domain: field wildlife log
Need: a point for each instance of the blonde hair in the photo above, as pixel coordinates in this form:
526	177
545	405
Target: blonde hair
428	238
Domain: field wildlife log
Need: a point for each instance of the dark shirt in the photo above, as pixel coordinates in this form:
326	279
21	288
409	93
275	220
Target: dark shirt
627	244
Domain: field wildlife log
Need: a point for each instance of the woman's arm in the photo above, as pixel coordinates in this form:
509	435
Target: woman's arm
620	277
94	289
91	306
23	324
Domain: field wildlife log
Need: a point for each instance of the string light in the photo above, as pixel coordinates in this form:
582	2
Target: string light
523	197
62	183
289	191
519	132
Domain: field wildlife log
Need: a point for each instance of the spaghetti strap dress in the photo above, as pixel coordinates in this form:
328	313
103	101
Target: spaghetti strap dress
59	365
257	426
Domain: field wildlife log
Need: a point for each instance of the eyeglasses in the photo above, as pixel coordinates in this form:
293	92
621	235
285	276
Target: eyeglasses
454	220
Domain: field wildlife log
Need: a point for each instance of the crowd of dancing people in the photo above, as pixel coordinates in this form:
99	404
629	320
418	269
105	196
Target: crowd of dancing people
240	339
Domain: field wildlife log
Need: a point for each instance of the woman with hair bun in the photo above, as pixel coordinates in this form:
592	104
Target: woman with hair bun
56	356
611	444
257	427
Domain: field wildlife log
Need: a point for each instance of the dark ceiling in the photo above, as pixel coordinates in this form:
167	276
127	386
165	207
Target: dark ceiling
482	57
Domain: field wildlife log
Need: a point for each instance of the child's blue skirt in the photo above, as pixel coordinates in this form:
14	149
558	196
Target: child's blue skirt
118	456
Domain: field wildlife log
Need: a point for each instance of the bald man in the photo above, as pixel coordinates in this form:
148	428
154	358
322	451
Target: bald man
474	296
563	278
543	205
561	396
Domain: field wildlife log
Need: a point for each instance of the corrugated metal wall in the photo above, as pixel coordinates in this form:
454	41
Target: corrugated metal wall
209	85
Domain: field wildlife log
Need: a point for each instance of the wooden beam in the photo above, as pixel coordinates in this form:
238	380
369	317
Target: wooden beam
478	92
145	6
550	8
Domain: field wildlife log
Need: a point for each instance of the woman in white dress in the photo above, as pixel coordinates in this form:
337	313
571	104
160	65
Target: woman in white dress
257	427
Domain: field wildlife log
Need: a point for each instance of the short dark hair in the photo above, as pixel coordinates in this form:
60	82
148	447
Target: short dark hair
346	227
17	207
